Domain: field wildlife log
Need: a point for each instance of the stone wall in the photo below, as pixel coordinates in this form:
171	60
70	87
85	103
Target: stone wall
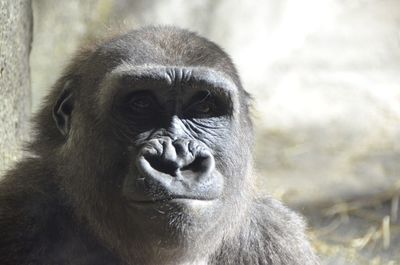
15	101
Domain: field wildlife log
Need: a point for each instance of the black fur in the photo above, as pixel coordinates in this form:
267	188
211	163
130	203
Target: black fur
68	203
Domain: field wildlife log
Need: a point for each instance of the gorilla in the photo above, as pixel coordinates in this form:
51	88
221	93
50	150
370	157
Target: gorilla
142	155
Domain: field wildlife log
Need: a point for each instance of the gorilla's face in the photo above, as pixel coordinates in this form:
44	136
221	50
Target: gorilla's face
175	125
172	120
157	148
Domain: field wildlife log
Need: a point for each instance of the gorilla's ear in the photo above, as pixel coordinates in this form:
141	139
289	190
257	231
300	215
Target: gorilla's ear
62	110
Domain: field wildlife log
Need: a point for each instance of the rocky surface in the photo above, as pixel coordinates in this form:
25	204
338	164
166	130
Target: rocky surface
15	102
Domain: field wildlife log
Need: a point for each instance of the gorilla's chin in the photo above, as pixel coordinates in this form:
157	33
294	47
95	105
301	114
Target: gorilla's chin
176	222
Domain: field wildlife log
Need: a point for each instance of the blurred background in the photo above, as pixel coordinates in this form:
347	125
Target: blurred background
325	76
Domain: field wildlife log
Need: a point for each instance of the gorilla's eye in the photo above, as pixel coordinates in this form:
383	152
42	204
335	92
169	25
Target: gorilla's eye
141	103
204	105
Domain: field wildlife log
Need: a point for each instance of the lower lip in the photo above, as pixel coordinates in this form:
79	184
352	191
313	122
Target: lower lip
180	201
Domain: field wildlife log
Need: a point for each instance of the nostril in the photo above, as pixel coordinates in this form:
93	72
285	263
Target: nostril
199	164
179	149
165	166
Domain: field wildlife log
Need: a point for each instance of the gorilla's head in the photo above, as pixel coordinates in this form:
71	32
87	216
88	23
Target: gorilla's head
151	137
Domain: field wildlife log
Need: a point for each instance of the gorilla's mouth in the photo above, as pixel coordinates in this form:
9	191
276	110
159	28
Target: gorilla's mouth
171	199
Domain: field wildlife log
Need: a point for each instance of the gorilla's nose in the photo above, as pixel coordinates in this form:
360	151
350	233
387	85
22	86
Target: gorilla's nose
179	158
179	168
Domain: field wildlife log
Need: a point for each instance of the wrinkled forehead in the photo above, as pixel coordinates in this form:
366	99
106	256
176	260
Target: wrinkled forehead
127	77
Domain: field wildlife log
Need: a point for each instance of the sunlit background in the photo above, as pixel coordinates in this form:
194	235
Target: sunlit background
325	76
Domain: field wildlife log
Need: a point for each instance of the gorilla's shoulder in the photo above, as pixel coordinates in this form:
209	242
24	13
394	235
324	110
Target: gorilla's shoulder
272	234
271	213
280	233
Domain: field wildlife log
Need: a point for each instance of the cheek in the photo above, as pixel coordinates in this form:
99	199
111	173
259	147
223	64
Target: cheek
228	148
213	132
99	158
